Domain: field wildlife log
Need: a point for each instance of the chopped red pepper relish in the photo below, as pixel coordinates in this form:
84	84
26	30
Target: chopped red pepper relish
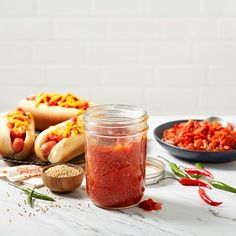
202	136
150	205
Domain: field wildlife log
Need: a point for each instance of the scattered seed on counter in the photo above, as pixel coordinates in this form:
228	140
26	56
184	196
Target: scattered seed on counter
25	211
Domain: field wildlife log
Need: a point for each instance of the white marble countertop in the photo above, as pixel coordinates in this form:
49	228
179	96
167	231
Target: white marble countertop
183	212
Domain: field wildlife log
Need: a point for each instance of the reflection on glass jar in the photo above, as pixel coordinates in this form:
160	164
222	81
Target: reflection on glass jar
116	139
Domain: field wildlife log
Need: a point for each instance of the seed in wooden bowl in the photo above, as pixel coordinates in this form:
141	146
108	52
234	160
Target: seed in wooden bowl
60	171
63	177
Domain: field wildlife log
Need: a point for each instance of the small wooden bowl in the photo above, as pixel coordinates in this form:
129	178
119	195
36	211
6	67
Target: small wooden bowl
63	184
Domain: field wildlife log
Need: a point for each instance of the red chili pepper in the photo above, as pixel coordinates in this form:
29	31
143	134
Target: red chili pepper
193	182
189	182
193	171
207	199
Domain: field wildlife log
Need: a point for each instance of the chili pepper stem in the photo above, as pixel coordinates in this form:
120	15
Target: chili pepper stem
175	169
199	165
222	186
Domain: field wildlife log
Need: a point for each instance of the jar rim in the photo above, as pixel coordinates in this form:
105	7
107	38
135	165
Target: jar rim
157	172
120	114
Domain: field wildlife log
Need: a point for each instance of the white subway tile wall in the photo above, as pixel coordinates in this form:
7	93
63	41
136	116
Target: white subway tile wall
168	56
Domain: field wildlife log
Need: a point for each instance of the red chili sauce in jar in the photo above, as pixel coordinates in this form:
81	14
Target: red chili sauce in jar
115	173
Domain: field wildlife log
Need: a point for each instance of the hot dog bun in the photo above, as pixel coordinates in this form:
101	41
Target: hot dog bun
46	116
65	150
6	148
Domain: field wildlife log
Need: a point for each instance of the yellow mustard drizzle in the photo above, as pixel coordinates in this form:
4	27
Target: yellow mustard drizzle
71	128
65	100
18	120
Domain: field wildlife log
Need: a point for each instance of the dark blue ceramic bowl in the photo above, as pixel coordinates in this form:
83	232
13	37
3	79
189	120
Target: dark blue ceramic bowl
196	156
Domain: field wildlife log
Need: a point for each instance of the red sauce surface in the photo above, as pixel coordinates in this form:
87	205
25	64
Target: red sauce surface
150	205
202	136
115	173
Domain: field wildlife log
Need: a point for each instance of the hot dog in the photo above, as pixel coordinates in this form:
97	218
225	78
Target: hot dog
17	134
49	109
62	142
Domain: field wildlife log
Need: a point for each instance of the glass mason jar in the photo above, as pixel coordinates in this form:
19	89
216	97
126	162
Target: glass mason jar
115	153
